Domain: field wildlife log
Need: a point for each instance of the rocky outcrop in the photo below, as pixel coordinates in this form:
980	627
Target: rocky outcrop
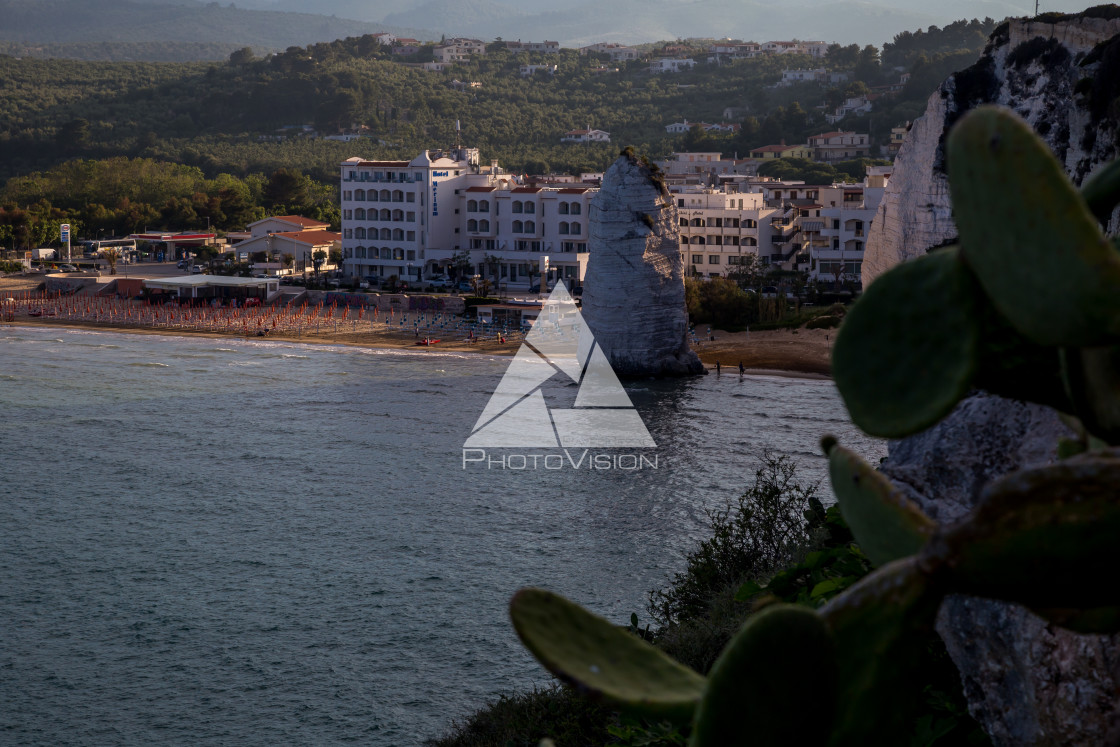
633	295
1060	75
1027	683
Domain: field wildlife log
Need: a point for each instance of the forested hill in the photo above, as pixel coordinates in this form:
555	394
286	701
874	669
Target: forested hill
34	23
248	120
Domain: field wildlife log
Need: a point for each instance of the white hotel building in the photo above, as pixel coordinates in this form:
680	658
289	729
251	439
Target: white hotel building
418	218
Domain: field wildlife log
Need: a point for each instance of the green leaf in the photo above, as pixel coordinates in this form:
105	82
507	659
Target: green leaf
781	660
748	591
886	524
879	627
1039	537
602	659
1028	234
906	352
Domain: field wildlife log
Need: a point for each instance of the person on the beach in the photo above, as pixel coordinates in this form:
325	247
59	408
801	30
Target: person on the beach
717	367
741	369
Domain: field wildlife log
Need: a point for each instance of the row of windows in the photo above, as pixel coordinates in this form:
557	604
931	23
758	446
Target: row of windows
720	240
565	228
384	234
377	176
563	208
579	247
718	223
384	195
372	214
361	252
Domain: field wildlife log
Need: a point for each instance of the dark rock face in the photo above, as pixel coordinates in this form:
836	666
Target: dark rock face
633	296
1027	683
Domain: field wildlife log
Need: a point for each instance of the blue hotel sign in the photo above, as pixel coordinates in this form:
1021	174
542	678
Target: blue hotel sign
435	191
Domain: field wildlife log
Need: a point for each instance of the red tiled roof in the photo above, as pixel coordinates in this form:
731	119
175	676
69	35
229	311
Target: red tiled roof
311	237
481	189
574	190
395	164
298	220
532	190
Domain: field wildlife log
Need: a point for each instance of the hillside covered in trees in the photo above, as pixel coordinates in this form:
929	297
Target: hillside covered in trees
237	124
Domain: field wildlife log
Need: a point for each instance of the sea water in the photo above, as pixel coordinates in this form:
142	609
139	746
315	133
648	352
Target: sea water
225	541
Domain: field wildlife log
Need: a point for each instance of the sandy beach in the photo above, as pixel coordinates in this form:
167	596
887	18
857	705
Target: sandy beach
800	352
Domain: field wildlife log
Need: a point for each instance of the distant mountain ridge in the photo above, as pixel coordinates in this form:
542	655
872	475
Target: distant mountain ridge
127	21
276	24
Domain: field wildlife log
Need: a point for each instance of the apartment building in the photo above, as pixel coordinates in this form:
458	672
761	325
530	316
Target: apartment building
545	47
840	146
442	212
719	227
458	50
836	241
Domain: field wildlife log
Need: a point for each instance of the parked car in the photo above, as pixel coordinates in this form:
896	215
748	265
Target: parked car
372	279
769	291
197	270
439	281
68	268
464	286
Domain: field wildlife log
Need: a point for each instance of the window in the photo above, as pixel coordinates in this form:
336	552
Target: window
372	196
398	234
835	224
411	235
749	223
518	207
348	214
385	214
680	203
398	195
359	233
697	259
398	216
472	225
576	208
684	222
360	195
715	240
518	227
697	239
719	222
359	214
564	229
563	208
575	228
411	216
530	227
697	222
348	233
348	195
386	235
530	207
386	196
484	225
410	254
484	206
410	197
713	259
472	206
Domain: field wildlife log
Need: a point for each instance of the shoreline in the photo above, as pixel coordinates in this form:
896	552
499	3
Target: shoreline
771	353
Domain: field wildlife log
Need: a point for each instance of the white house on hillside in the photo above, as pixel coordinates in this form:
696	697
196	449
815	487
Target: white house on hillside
671	65
586	136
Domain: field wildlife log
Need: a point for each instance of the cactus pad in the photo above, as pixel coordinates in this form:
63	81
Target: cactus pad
1101	191
886	524
1092	378
1039	537
602	659
1029	236
879	627
906	351
781	660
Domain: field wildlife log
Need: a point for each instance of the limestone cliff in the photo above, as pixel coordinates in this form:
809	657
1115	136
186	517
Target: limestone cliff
1060	73
633	295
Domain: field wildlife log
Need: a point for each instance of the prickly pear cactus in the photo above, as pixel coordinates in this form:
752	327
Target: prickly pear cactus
1029	306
